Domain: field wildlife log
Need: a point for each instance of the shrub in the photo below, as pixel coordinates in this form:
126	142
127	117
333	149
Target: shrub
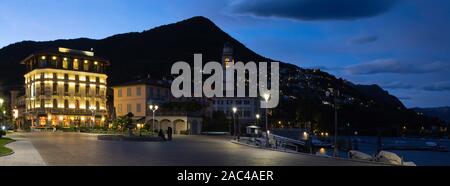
2	133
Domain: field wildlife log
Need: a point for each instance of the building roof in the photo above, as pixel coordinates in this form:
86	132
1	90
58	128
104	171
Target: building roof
89	55
146	81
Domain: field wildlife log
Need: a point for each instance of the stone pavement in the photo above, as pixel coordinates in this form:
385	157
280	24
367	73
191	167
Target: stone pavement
24	153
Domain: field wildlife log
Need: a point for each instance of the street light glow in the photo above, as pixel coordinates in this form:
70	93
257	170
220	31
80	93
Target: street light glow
266	97
257	116
234	109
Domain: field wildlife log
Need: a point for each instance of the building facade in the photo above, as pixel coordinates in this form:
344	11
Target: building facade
18	109
136	96
65	87
247	107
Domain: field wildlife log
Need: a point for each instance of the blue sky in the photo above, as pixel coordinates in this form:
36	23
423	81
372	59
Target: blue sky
402	45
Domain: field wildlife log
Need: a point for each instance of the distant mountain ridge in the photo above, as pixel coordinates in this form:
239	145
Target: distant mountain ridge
440	112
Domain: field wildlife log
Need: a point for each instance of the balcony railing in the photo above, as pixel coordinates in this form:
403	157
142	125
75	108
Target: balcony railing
66	111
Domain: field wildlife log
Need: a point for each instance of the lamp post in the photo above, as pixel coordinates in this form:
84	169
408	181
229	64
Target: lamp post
93	116
153	108
266	98
234	121
334	94
257	119
1	105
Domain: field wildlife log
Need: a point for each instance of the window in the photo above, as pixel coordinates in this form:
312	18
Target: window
97	106
119	93
96	66
128	108
77	89
97	91
138	91
86	65
97	79
128	92
88	105
119	108
66	104
42	103
55	76
43	62
65	63
138	107
66	76
75	64
55	103
77	78
88	79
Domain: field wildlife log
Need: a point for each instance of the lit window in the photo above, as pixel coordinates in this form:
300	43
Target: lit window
75	64
65	63
86	65
54	57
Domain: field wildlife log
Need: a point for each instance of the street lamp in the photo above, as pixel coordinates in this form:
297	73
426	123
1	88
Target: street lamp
234	121
331	93
257	119
266	98
153	108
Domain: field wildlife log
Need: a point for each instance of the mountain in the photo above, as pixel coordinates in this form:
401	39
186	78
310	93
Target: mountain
439	112
136	54
379	95
152	52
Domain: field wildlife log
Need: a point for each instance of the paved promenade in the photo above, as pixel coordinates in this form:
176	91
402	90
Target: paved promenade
85	149
24	153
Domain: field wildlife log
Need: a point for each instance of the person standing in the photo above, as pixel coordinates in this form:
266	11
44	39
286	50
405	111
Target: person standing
169	133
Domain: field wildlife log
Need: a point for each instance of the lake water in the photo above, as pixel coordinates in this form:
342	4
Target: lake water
420	158
368	144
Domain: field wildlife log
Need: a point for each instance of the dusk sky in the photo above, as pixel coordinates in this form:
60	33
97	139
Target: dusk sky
402	45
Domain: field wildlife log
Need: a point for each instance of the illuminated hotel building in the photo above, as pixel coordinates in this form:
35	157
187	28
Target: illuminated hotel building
65	87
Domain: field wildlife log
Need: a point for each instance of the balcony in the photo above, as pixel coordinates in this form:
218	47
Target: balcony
59	111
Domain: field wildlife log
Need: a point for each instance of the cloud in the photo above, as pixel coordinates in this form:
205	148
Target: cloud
394	66
438	86
397	85
313	9
363	40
